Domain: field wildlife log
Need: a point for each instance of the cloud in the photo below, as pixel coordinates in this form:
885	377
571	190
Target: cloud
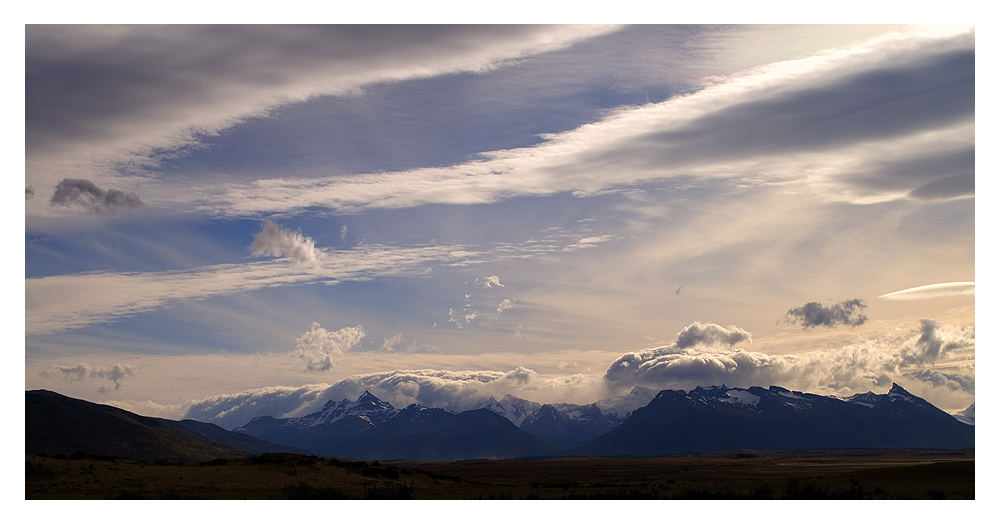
857	367
479	306
589	242
462	318
491	281
273	240
86	194
64	302
140	93
936	342
639	367
116	373
234	410
848	121
505	305
390	343
454	390
698	333
73	373
945	289
812	314
398	343
319	347
952	381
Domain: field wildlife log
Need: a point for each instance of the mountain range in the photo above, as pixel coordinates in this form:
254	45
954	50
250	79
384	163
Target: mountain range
719	418
671	421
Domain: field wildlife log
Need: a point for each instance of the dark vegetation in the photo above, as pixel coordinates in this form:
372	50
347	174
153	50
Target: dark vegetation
831	474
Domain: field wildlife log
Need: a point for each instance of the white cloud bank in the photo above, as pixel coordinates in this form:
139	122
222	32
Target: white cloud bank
867	364
454	390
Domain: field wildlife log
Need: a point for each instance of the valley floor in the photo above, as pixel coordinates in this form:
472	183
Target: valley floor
847	474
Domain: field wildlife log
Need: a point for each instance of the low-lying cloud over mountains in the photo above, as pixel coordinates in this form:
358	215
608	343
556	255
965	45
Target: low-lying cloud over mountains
453	390
703	354
696	359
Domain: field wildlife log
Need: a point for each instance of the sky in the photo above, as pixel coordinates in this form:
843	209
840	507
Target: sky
223	222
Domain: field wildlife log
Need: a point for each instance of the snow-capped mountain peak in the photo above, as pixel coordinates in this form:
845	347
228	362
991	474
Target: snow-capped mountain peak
512	408
367	406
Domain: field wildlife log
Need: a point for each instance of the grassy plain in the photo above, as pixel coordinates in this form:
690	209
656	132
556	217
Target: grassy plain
843	474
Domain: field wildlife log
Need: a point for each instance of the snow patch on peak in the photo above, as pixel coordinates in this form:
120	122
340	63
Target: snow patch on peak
740	396
512	408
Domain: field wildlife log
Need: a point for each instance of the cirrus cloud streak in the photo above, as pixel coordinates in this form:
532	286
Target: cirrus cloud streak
946	289
906	92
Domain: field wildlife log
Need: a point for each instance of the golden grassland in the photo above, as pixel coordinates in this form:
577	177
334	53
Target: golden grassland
898	474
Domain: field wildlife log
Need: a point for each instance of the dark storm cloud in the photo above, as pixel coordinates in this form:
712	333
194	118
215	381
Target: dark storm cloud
812	314
84	193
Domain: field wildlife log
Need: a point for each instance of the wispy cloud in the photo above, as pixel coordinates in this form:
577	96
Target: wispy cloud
63	302
946	289
728	130
188	81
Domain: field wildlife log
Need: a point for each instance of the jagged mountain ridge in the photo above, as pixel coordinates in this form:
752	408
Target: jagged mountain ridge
371	428
562	424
